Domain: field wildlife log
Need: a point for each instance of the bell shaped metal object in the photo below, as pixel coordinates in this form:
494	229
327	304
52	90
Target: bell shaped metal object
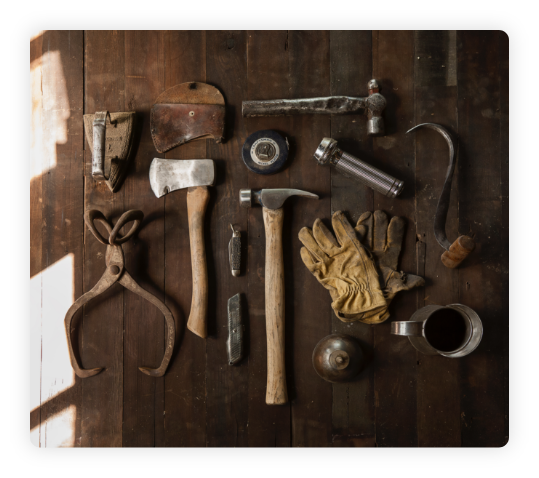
338	358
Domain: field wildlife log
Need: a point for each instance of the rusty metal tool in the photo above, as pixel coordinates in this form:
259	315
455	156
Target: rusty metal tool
372	106
454	253
354	168
116	272
272	201
234	343
187	112
110	143
167	175
234	252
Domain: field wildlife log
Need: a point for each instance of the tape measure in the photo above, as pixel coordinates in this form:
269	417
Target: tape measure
265	152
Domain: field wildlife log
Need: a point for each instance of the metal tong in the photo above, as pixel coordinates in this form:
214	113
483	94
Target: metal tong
116	272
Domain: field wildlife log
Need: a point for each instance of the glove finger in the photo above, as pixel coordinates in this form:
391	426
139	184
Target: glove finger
308	259
361	232
325	239
343	230
380	231
413	281
366	221
395	232
306	237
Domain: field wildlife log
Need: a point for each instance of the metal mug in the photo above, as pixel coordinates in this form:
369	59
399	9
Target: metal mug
414	329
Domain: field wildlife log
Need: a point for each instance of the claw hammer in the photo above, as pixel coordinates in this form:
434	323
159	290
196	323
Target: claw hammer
272	201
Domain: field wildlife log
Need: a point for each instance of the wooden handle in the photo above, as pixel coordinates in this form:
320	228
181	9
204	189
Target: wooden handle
276	386
458	251
197	200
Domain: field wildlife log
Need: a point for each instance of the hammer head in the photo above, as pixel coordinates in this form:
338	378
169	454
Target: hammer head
375	105
271	198
167	175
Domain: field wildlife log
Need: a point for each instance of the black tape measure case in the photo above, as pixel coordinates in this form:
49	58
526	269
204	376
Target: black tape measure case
265	152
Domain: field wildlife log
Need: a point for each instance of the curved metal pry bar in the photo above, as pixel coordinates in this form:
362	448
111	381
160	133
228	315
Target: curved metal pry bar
457	251
443	203
115	272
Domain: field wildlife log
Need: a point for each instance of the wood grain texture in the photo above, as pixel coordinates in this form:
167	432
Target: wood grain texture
504	158
483	215
197	202
308	312
394	358
276	393
227	422
144	331
438	401
403	398
351	69
184	417
268	77
58	235
36	240
103	320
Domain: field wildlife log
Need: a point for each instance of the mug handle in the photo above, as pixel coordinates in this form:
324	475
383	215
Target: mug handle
409	328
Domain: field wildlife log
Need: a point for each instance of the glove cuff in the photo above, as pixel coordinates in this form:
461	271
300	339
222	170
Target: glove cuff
357	299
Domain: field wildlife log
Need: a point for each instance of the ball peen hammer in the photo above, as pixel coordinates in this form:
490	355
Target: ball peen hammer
272	201
372	106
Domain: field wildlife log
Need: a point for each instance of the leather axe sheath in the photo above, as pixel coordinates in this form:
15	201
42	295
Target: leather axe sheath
187	112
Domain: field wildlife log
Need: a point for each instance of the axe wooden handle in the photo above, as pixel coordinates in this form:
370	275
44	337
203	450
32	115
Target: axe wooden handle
197	200
276	386
458	251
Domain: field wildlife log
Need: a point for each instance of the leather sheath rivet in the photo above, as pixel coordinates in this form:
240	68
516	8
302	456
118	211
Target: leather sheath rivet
191	113
114	269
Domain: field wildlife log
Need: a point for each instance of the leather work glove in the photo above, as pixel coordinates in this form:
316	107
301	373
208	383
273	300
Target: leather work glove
343	266
384	239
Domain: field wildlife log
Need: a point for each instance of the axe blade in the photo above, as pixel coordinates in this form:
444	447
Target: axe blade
167	175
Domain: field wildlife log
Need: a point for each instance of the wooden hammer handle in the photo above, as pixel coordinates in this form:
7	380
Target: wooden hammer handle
197	200
458	251
276	386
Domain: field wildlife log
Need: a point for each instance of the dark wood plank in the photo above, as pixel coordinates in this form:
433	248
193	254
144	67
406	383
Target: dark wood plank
394	358
482	75
227	401
36	240
458	79
185	384
103	320
144	330
504	158
438	392
61	230
308	307
267	78
351	69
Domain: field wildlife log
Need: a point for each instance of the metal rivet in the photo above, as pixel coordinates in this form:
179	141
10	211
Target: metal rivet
191	113
114	269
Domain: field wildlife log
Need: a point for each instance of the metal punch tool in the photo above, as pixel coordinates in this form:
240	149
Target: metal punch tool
116	272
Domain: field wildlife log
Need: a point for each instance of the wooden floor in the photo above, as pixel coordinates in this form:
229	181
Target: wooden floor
403	398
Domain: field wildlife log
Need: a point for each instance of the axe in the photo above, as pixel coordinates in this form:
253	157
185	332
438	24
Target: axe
167	175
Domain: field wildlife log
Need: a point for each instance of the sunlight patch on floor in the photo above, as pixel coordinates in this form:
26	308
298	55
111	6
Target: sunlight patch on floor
52	293
59	430
50	112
